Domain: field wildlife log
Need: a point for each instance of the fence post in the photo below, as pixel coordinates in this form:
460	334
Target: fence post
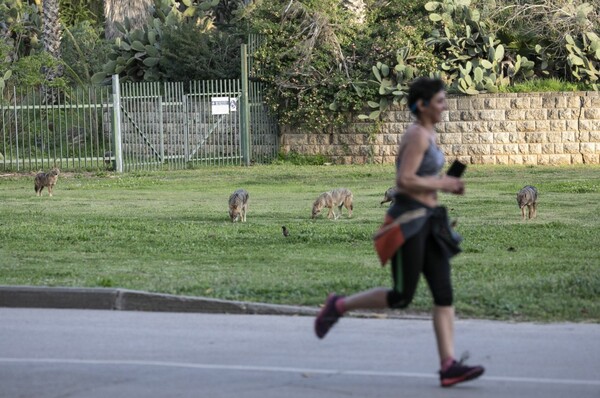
245	109
186	130
116	123
17	128
161	130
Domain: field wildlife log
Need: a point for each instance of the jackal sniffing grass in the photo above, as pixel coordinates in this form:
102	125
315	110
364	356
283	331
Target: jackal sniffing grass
527	197
46	180
238	205
335	198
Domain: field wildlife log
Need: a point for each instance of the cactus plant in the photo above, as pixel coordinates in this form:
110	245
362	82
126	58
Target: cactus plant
393	83
136	56
474	61
4	78
584	57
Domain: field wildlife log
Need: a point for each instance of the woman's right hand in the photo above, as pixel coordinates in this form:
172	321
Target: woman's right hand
452	185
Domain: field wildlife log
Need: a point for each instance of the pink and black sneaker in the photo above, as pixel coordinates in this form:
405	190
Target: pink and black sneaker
328	316
458	372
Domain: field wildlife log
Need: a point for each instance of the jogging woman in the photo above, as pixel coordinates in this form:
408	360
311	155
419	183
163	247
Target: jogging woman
416	235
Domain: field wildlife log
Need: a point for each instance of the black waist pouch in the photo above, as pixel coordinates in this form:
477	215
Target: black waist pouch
448	239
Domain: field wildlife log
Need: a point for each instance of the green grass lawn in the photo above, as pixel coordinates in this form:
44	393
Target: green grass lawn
169	232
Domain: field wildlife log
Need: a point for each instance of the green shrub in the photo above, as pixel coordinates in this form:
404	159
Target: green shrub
584	57
552	84
541	29
136	56
83	52
225	12
22	58
190	53
5	66
298	159
20	27
27	71
472	58
75	12
304	67
395	52
396	24
318	60
392	83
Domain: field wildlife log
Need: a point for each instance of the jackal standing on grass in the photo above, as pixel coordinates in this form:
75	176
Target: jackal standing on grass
527	197
238	205
46	180
335	198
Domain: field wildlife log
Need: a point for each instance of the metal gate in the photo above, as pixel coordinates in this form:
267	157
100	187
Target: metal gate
139	126
176	125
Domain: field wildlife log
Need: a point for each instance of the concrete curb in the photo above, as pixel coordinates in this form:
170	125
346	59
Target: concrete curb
133	300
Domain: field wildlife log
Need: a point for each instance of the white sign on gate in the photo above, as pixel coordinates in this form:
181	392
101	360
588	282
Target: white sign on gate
233	104
220	105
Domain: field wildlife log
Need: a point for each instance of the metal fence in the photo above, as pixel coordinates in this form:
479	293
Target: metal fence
264	133
69	133
138	126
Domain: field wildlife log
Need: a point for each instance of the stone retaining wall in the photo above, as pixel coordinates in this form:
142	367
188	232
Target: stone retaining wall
531	128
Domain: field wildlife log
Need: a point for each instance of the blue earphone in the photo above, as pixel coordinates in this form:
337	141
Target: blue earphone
413	107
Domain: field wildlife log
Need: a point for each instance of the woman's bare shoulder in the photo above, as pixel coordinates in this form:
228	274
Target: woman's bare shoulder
416	135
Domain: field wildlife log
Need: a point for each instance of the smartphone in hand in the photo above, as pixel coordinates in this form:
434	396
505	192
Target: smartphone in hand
456	169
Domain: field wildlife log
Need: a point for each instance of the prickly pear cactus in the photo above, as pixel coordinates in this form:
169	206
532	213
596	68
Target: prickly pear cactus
474	60
584	58
393	83
136	55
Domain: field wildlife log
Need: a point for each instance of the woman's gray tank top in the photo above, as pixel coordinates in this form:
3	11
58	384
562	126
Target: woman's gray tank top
432	163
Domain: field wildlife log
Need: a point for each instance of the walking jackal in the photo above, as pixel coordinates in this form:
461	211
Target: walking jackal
238	205
46	180
527	197
335	198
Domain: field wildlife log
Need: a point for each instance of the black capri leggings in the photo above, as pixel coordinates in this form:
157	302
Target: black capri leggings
420	253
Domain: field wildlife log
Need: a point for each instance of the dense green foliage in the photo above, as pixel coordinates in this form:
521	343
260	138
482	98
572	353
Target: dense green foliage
195	49
476	53
472	58
83	48
337	65
325	74
191	54
170	232
75	12
23	59
181	43
84	52
539	29
543	85
321	62
20	27
295	158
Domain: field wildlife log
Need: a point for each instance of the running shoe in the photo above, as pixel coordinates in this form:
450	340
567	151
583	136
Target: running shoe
458	372
328	316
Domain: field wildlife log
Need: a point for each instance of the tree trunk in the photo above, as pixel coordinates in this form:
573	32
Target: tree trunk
138	12
51	35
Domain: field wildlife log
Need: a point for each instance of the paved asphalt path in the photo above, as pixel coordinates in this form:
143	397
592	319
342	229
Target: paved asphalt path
92	353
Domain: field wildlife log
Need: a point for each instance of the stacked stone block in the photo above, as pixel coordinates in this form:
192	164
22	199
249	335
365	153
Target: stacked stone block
531	129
